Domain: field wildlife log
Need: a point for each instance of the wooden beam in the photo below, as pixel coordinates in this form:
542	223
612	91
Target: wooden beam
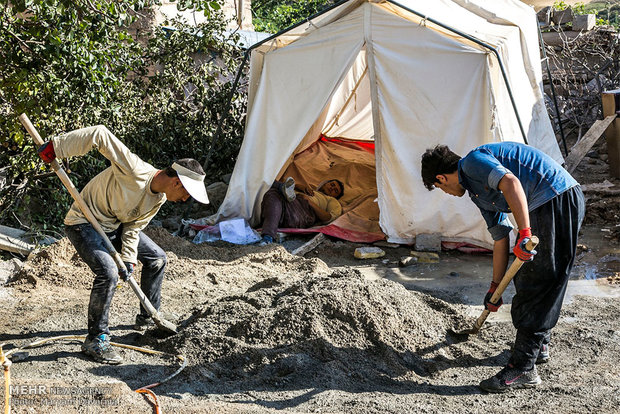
611	106
305	248
10	240
581	148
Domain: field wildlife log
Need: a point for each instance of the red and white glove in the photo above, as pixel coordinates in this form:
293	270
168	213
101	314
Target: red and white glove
46	152
488	305
520	250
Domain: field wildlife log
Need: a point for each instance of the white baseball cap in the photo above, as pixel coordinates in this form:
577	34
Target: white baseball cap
193	182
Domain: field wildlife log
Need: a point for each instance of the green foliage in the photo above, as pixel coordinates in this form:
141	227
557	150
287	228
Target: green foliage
271	16
72	64
579	8
607	13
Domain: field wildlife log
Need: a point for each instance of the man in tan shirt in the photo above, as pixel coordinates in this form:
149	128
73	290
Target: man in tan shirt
123	198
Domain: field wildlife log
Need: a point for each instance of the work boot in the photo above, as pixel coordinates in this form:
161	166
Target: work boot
511	378
144	322
288	189
543	354
101	351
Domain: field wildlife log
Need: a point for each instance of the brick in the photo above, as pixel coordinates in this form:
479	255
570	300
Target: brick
584	22
428	242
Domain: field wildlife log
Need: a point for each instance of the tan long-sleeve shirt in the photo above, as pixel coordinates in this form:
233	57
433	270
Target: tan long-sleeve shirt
327	203
120	194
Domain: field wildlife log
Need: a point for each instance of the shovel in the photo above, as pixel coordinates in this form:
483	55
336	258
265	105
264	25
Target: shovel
510	273
162	324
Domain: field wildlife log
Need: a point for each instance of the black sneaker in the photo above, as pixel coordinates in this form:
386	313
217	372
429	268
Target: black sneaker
143	323
101	351
543	354
511	378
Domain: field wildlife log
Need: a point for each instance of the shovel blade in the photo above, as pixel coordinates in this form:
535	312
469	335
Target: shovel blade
464	332
164	325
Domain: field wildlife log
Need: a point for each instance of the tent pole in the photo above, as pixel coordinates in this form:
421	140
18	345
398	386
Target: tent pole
220	124
480	43
346	103
218	131
555	100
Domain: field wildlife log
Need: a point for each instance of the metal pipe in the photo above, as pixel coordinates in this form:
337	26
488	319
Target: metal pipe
220	124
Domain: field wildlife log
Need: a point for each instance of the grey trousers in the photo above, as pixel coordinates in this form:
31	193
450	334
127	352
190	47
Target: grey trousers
91	248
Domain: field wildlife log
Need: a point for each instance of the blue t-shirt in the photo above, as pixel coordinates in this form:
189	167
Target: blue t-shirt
481	170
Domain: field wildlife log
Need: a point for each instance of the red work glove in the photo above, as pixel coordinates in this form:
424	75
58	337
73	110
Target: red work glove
46	152
520	249
492	307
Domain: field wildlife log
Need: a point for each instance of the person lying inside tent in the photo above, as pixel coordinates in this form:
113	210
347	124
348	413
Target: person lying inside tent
286	204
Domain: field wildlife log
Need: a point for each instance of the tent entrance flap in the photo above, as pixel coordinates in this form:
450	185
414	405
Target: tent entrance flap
353	163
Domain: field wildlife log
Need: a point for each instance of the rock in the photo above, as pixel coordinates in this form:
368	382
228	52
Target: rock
544	16
8	268
383	243
425	257
171	223
368	253
216	192
226	178
407	261
562	16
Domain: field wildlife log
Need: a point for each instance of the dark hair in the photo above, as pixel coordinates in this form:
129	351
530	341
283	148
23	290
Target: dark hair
340	184
189	163
341	188
436	161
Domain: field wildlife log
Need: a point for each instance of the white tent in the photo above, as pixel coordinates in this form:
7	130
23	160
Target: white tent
408	75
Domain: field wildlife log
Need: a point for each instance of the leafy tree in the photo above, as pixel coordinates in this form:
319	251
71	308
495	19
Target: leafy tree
70	64
271	16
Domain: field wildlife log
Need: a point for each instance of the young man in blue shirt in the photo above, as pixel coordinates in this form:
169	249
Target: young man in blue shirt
545	200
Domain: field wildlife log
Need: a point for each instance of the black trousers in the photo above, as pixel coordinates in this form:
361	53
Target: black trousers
541	283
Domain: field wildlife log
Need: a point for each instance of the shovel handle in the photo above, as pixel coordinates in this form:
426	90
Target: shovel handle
23	118
506	279
159	321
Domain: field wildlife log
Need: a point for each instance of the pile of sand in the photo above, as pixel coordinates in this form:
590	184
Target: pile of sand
224	263
58	264
335	329
263	317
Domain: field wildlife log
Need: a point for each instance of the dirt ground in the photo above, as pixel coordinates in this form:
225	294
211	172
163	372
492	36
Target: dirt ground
262	330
